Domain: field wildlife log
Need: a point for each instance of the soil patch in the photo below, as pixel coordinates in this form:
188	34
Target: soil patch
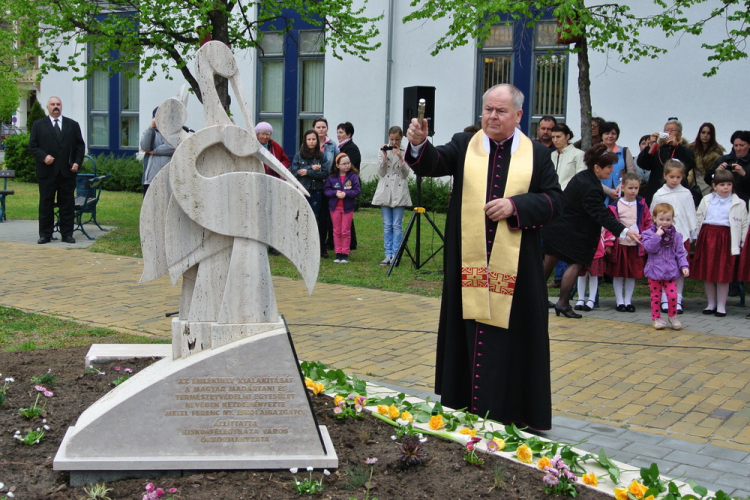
442	475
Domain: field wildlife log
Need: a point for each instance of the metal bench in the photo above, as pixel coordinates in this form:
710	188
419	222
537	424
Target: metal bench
88	191
5	192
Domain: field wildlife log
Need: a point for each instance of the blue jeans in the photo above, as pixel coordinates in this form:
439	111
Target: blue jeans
393	229
315	199
560	268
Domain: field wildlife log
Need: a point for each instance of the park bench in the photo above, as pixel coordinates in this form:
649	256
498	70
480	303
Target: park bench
88	191
5	192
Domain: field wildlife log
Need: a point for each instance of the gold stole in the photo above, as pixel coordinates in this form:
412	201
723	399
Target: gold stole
487	287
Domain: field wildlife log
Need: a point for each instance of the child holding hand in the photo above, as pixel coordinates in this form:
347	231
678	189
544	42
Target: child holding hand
667	261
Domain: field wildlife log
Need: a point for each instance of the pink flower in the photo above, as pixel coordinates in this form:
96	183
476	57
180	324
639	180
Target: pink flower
150	487
117	368
492	446
371	461
49	394
470	446
128	370
159	492
173	490
338	410
40	388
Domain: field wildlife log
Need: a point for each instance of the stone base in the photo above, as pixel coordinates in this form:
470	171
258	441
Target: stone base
104	353
191	337
240	406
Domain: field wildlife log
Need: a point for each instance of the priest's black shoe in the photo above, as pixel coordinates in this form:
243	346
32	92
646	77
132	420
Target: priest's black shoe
69	239
43	240
566	311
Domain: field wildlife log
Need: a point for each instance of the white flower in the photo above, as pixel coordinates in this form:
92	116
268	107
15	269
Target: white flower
393	438
18	432
10	494
9	379
44	420
2	485
309	469
293	470
325	471
46	427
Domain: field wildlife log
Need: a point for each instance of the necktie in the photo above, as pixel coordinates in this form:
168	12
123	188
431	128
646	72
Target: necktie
57	128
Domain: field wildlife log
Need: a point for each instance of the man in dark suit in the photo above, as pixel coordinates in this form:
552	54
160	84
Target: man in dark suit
57	144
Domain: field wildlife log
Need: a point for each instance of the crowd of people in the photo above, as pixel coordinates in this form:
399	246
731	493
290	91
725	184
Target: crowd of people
677	209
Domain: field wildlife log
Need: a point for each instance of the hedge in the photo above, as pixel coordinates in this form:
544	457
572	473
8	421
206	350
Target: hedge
435	194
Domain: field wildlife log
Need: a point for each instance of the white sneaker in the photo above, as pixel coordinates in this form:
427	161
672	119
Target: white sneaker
659	324
386	262
675	323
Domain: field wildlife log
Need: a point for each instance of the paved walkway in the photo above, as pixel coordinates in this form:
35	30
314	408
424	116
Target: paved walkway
679	399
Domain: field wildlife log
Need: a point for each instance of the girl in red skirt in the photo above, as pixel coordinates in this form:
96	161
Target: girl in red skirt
627	255
722	219
596	271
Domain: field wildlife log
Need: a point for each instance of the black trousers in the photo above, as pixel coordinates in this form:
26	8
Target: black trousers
62	188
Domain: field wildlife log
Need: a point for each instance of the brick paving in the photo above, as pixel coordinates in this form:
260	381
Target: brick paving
679	399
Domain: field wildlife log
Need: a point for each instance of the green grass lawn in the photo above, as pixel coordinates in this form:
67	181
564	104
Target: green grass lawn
122	211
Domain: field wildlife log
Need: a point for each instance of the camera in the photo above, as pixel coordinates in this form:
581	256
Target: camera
664	135
387	148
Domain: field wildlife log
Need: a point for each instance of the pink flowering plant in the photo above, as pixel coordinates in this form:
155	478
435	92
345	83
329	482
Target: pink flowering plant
126	373
4	389
34	410
351	406
46	379
558	479
154	493
471	453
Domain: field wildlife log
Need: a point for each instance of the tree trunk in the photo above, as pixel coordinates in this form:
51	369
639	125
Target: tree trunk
220	33
584	91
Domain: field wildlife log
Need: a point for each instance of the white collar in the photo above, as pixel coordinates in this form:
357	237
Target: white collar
716	199
628	203
59	120
513	147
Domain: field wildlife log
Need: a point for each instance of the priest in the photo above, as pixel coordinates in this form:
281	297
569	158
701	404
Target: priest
493	354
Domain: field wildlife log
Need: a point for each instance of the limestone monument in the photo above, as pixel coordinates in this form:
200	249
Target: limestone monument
232	395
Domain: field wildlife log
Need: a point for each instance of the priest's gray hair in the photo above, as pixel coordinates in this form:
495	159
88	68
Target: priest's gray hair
516	95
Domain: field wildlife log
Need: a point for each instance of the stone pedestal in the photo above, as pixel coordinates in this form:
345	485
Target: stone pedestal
240	406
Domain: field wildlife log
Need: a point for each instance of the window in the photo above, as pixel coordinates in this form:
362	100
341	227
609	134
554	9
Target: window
550	74
114	106
291	83
271	91
496	60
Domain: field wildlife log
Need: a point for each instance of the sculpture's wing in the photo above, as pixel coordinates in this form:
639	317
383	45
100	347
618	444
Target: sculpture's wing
152	224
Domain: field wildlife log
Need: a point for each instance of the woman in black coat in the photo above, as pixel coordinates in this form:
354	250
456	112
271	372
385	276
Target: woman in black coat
737	162
574	236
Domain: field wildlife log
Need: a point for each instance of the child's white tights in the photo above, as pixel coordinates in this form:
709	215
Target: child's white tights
593	288
717	294
628	284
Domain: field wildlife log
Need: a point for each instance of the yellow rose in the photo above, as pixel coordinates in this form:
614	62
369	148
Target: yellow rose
468	432
393	413
338	399
544	462
621	494
383	409
317	387
524	454
309	383
436	422
590	479
637	489
407	417
500	443
650	497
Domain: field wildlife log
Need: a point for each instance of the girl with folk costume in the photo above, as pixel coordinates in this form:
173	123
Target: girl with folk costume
594	272
493	305
627	259
681	200
707	151
573	236
722	222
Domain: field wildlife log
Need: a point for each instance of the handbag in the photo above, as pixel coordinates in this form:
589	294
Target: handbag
695	190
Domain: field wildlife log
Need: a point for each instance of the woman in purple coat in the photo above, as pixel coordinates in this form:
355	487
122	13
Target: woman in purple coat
667	258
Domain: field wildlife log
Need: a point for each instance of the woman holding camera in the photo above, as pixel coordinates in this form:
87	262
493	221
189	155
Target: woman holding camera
736	161
667	145
392	193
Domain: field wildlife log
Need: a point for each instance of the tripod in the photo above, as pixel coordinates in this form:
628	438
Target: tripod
416	217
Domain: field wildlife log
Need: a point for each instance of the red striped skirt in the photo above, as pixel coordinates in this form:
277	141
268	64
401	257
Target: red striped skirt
713	260
598	268
628	263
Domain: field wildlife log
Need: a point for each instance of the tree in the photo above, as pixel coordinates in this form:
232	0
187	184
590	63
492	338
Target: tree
9	74
611	28
164	34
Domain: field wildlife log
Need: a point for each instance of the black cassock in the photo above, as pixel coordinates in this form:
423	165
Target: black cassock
486	368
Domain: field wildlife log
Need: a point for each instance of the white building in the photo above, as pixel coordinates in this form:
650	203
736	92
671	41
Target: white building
294	83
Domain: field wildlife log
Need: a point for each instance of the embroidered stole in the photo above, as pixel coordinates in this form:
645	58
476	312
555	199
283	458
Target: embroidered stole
487	285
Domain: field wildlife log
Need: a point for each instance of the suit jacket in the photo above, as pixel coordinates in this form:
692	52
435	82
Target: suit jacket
66	150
